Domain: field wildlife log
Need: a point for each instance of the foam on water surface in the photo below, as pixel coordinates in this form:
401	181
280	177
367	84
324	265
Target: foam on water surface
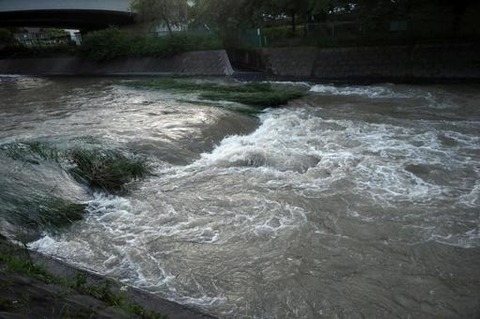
314	202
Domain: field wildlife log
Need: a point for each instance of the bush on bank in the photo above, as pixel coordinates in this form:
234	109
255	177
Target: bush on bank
112	43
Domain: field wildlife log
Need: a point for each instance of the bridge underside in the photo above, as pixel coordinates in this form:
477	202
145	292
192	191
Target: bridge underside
69	19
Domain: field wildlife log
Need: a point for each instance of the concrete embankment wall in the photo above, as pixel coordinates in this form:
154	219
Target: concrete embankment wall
436	62
208	63
430	63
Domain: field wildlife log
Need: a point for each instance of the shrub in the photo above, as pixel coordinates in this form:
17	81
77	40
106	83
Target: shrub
112	43
6	37
107	44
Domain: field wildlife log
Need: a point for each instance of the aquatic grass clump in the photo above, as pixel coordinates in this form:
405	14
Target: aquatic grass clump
32	152
264	99
253	94
108	170
41	212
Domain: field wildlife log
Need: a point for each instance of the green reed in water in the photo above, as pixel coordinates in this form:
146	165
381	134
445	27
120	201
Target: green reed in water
259	95
108	170
35	210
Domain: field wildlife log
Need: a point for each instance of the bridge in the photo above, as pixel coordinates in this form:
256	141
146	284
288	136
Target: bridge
73	14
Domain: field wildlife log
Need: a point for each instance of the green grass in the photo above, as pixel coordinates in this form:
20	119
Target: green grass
105	292
264	99
108	170
260	95
112	43
104	169
32	152
15	260
33	214
48	212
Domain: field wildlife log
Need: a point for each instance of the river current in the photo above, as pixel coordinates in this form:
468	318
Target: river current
352	202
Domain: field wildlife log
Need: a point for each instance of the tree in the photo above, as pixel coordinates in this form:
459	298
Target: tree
169	12
229	18
293	8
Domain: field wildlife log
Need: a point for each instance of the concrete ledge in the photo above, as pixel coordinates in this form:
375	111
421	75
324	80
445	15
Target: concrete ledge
208	63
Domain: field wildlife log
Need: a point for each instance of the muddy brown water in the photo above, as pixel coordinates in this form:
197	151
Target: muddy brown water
353	202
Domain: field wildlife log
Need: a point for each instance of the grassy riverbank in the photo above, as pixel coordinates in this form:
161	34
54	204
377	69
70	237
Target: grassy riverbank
36	286
30	291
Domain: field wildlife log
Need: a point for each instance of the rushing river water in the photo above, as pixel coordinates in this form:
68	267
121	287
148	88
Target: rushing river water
353	202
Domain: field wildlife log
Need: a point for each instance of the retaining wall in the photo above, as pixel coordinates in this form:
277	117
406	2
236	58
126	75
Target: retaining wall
437	62
208	63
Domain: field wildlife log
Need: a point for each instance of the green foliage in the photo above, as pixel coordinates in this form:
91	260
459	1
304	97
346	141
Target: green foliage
31	152
107	44
229	19
47	212
342	22
259	99
16	260
168	12
6	37
108	169
255	94
106	292
40	212
112	43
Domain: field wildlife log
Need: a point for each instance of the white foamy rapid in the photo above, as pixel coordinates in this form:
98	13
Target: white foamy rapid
308	199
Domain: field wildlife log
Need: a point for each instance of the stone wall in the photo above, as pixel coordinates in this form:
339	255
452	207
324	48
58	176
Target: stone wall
208	63
451	62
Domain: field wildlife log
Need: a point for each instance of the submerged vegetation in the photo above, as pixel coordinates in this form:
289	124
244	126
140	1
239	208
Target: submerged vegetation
28	211
108	170
260	95
48	212
34	210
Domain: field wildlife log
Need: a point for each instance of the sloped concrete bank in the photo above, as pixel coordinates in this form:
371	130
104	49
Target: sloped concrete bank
198	63
58	290
454	62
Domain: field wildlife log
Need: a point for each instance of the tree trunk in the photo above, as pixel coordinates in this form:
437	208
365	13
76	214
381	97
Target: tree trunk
294	23
459	9
167	23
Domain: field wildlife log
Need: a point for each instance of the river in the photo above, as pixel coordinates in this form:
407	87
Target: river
352	202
